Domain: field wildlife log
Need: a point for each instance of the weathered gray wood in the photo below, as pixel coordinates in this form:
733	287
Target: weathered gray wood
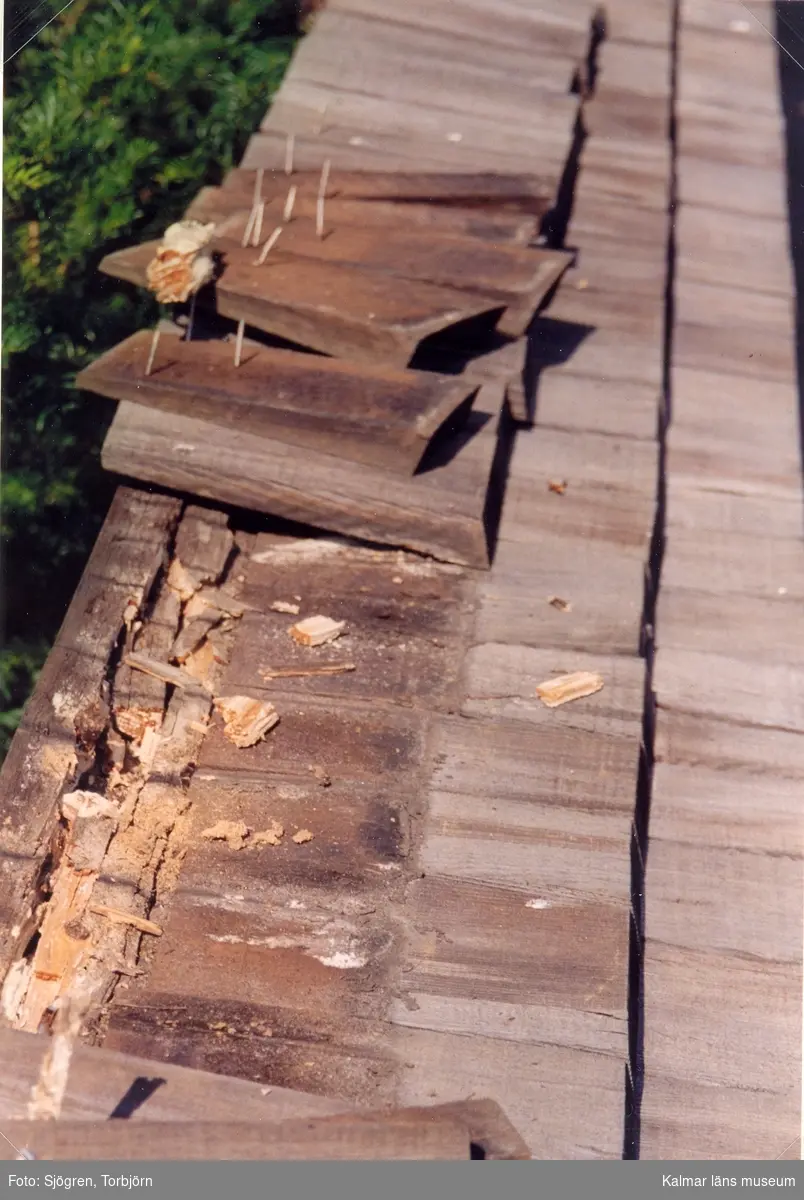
591	405
713	512
717	133
759	630
732	689
756	191
603	583
727	808
727	330
440	511
728	70
567	1103
705	242
735	565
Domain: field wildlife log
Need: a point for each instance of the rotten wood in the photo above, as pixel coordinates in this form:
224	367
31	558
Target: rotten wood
375	415
332	308
57	737
447	509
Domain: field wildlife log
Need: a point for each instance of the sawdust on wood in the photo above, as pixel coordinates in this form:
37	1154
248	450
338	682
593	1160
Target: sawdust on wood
267	837
301	836
234	833
563	606
559	486
51	1086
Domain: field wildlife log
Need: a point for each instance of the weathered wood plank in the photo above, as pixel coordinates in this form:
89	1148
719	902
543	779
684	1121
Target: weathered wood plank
604	585
731	689
729	330
705	242
759	630
517	277
294	299
566	1104
728	70
727	808
702	740
735	565
441	511
102	1081
487	223
725	901
718	133
607	354
590	405
57	737
389	1136
715	512
366	414
726	187
681	1121
505	963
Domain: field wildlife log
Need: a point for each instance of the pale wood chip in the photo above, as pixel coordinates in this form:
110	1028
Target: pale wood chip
87	804
562	605
224	602
269	673
268	837
316	631
182	581
559	486
118	917
301	836
564	688
284	606
246	721
234	833
161	670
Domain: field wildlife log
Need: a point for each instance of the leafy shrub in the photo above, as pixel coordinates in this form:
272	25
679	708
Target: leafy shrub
115	115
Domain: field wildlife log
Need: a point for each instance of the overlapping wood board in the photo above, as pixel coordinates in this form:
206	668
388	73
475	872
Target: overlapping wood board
518	278
378	416
447	509
498	226
339	310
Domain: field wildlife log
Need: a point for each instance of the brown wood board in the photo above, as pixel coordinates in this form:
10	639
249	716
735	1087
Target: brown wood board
518	278
442	511
381	417
102	1082
523	194
217	204
393	1136
332	308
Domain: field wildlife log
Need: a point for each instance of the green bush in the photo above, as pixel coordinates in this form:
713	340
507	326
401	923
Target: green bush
115	115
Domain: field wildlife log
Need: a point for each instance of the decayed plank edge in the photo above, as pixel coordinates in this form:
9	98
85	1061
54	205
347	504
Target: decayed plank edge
279	479
68	710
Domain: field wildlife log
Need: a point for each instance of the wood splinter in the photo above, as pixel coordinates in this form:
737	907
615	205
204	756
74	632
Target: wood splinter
118	917
257	208
241	329
152	353
289	146
287	212
270	243
322	195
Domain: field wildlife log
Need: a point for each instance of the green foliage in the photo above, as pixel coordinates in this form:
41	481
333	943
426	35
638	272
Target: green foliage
115	115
